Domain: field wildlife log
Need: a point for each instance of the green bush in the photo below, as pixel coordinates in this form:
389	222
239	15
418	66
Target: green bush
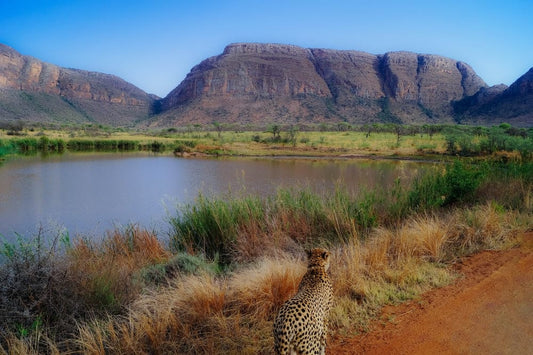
474	141
461	182
457	184
179	264
35	286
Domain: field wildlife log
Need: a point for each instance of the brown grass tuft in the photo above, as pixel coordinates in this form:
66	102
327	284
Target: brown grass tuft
482	227
423	237
260	290
107	268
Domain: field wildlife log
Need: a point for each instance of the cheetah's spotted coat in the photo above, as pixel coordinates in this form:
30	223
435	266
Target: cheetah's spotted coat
301	324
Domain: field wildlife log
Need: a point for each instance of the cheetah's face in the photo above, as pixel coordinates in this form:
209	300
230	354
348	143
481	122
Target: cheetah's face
318	257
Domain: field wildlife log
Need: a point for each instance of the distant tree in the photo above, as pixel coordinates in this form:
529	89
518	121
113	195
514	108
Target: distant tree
275	129
218	128
15	128
368	129
399	130
343	126
292	132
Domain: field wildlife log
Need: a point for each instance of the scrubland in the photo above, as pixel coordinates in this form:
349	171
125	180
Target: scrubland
230	262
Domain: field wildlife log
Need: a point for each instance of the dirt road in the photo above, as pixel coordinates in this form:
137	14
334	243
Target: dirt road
489	310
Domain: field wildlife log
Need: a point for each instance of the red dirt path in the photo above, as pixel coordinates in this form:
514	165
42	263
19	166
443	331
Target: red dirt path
489	310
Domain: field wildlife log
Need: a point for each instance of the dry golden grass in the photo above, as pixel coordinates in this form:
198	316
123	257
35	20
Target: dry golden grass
423	237
35	344
483	227
201	314
260	290
106	268
206	314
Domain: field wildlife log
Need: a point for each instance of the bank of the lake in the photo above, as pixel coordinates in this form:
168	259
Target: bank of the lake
377	140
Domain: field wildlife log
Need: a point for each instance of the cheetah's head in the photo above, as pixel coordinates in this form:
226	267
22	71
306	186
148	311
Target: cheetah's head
318	257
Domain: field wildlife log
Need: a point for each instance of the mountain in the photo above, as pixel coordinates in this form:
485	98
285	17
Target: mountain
32	90
262	83
513	104
259	84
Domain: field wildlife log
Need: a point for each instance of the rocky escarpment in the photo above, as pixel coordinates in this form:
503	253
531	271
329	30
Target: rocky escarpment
499	103
35	90
254	82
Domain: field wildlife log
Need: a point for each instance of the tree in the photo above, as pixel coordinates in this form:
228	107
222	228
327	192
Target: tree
275	130
293	131
218	127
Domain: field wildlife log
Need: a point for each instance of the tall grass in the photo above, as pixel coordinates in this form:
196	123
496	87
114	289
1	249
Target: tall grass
27	145
51	286
210	226
241	228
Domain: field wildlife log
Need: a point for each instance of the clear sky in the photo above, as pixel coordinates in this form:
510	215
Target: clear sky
154	43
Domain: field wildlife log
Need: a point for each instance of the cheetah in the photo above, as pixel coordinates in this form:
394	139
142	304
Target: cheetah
301	324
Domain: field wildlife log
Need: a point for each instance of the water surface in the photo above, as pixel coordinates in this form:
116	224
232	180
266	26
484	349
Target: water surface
91	193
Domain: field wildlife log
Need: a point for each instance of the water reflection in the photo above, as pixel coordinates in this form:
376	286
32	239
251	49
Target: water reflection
89	193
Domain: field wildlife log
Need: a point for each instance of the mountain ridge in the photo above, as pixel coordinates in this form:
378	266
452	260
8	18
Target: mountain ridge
79	94
263	83
352	86
514	104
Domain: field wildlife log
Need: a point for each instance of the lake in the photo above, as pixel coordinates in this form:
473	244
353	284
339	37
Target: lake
90	193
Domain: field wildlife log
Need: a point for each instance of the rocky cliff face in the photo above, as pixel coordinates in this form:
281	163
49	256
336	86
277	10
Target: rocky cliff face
251	70
95	96
513	104
265	83
257	82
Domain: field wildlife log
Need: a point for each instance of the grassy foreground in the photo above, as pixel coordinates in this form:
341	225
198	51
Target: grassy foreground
231	262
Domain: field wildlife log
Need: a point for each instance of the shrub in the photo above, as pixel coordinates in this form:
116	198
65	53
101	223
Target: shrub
458	184
36	287
178	265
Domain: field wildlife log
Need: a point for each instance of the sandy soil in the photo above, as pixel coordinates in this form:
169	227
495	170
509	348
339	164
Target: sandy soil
489	310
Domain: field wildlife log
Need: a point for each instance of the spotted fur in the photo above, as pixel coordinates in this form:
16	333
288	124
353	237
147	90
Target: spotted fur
301	324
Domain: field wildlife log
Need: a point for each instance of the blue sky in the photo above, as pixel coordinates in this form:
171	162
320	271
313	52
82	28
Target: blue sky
154	44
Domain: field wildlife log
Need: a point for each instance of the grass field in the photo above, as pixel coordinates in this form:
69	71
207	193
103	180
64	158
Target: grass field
382	140
258	143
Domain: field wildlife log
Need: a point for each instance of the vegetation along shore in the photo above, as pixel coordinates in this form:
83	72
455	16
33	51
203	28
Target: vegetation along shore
231	261
335	140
